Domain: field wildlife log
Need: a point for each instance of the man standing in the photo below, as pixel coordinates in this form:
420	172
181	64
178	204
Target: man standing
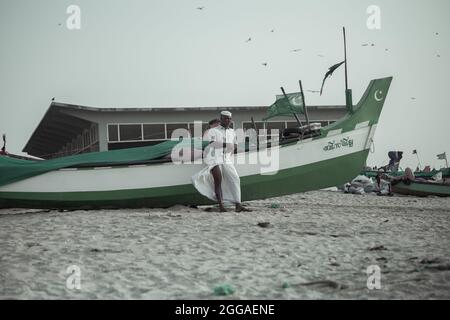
219	181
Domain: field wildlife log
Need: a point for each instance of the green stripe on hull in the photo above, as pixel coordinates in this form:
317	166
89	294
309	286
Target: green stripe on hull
319	175
314	176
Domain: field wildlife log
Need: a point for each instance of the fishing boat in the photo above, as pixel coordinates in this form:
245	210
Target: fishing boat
393	170
421	188
445	173
127	178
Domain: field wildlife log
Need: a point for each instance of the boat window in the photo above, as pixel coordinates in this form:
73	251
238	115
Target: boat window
171	127
113	134
73	146
154	131
79	142
249	125
86	138
130	132
94	133
199	134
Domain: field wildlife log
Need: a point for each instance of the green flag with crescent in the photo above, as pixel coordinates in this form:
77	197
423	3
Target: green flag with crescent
286	106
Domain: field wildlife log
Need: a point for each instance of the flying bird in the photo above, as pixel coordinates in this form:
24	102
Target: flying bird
264	64
365	44
296	50
313	91
330	72
200	8
248	40
413	98
372	45
438	55
320	55
272	30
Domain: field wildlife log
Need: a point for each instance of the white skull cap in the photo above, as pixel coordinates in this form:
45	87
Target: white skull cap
226	113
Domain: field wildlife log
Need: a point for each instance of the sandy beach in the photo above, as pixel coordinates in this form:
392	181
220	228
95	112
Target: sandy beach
315	245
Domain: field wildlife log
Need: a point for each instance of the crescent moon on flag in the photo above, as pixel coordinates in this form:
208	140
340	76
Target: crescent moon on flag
376	95
296	101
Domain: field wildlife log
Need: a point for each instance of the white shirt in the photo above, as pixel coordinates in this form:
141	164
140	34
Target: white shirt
216	155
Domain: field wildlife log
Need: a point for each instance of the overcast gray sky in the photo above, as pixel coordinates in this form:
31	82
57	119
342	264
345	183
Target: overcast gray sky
169	53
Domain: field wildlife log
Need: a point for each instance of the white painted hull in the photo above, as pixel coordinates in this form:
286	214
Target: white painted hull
169	174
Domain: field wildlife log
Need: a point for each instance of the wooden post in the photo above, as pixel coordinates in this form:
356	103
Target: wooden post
304	102
295	115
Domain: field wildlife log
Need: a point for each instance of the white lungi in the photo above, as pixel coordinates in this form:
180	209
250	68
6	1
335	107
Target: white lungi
203	181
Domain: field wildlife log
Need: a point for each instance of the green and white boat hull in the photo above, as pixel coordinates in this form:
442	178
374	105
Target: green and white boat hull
333	158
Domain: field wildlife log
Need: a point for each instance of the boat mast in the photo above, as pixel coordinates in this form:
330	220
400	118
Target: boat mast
348	92
345	59
256	131
295	115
